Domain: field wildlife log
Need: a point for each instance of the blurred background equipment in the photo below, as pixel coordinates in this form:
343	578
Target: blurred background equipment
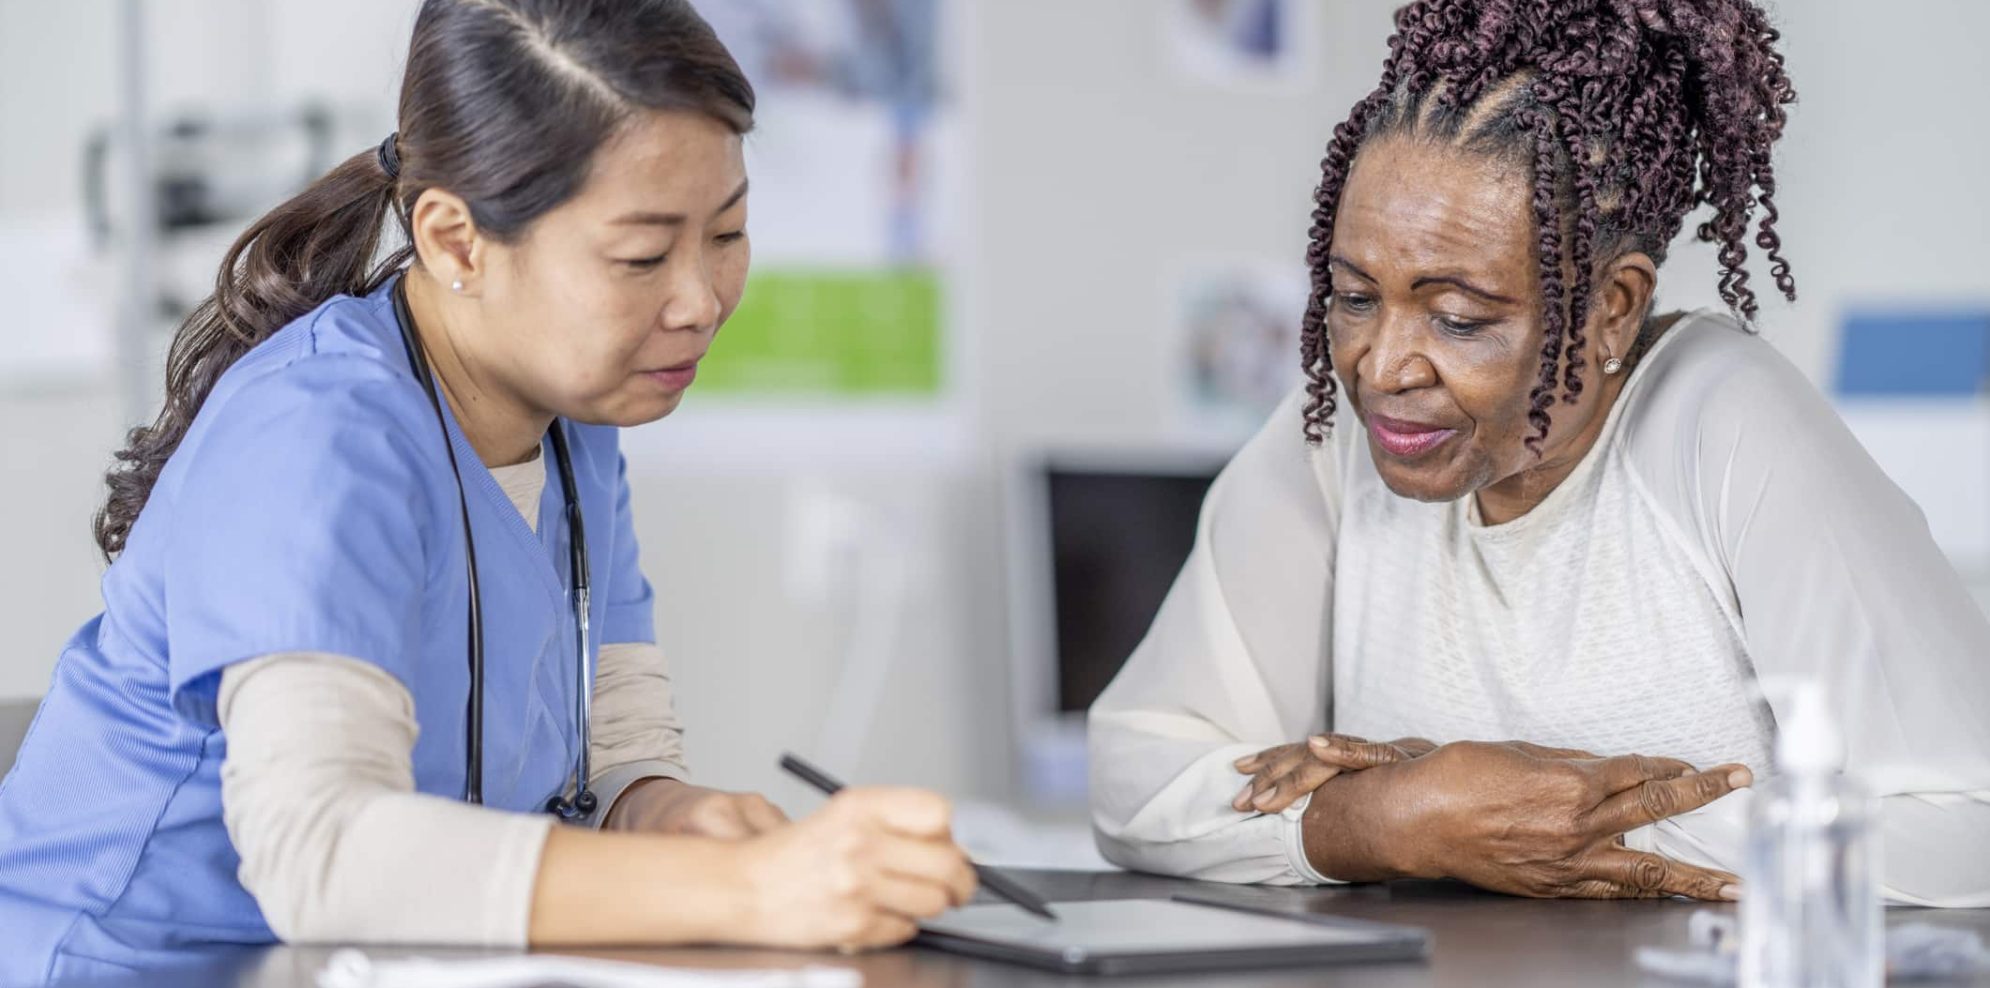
1096	541
189	183
213	169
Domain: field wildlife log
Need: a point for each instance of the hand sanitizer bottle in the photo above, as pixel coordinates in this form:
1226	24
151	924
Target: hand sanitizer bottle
1810	906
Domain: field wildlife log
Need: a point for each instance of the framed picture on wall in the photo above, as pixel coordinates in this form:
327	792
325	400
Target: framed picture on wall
1235	342
1247	45
852	159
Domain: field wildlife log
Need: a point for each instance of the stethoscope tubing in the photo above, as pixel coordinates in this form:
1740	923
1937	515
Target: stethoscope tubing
583	803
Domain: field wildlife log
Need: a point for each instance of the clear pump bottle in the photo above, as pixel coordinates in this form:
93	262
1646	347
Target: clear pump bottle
1810	903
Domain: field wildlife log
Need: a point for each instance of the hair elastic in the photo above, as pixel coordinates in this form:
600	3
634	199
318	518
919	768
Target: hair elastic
390	156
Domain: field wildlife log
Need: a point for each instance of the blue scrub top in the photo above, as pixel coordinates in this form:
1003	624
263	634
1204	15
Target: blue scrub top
310	508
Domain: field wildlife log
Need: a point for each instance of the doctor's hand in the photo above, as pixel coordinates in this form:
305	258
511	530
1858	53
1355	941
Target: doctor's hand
1507	819
667	806
858	873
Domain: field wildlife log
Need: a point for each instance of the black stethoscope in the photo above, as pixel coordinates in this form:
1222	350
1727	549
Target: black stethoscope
582	803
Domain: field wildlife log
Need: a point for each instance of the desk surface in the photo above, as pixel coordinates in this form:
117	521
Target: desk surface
1477	939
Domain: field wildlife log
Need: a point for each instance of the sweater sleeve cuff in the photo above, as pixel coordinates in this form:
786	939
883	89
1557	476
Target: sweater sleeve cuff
1295	843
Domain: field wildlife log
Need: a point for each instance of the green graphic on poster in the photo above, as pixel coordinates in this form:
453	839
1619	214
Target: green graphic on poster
849	160
840	334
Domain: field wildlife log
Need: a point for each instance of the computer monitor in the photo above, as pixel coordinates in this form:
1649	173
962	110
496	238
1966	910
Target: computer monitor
1096	541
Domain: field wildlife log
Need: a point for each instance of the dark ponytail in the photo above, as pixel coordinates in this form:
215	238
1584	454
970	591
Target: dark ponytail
315	246
504	104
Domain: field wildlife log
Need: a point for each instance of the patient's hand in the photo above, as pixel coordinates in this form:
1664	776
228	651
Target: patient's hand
1280	775
1509	819
667	806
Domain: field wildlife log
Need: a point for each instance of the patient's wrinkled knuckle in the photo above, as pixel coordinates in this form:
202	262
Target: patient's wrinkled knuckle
1696	885
1565	870
1650	874
1544	884
1657	800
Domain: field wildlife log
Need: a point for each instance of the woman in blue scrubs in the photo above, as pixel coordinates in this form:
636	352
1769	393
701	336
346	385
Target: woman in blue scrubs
270	733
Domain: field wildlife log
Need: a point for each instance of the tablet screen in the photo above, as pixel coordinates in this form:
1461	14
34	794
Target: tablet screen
1145	926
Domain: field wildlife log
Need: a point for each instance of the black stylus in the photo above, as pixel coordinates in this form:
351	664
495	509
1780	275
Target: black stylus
991	879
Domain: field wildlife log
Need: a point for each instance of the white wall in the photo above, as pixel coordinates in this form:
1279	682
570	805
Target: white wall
1095	175
57	80
1882	168
1101	174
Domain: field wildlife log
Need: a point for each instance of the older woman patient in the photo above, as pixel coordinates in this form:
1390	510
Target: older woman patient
1562	538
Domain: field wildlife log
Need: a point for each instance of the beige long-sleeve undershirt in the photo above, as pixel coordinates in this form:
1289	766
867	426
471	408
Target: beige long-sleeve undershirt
318	793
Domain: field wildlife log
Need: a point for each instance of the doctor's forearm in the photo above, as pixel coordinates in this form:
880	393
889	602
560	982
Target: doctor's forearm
597	888
318	798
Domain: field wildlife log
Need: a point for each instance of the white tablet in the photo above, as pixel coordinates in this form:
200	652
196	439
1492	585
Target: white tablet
1137	936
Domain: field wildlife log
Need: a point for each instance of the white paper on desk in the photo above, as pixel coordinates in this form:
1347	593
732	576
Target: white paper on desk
353	969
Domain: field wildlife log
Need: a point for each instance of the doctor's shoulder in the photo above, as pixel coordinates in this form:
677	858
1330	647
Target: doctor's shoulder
329	394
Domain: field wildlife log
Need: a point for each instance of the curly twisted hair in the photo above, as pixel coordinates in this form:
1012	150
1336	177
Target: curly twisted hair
1629	114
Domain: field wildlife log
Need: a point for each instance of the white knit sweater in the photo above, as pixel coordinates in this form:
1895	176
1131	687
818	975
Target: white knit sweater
1724	526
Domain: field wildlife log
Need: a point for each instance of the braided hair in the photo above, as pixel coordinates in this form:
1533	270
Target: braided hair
1628	114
